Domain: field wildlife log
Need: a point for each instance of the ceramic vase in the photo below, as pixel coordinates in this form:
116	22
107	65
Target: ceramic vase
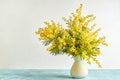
79	68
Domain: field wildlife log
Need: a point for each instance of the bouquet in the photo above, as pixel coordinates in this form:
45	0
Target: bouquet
79	39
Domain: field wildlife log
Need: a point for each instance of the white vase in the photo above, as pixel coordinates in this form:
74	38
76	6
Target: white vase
79	68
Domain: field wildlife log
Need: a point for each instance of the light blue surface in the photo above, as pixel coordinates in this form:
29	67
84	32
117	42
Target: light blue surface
36	74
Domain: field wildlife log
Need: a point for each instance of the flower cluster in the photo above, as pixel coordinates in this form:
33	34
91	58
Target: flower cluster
79	39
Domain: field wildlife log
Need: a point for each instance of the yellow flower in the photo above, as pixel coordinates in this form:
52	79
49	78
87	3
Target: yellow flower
61	40
97	62
84	54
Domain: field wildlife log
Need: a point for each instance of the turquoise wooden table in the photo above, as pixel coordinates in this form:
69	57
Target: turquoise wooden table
36	74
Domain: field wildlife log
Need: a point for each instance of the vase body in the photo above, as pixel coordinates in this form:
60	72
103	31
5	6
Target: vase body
79	69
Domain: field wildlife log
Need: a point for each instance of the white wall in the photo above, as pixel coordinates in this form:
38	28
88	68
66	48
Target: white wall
19	19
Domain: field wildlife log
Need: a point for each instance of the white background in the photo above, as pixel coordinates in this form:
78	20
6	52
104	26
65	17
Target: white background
19	19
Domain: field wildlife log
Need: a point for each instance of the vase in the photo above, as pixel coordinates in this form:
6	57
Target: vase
79	68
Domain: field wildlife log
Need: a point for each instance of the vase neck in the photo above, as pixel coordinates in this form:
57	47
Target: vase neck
78	58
